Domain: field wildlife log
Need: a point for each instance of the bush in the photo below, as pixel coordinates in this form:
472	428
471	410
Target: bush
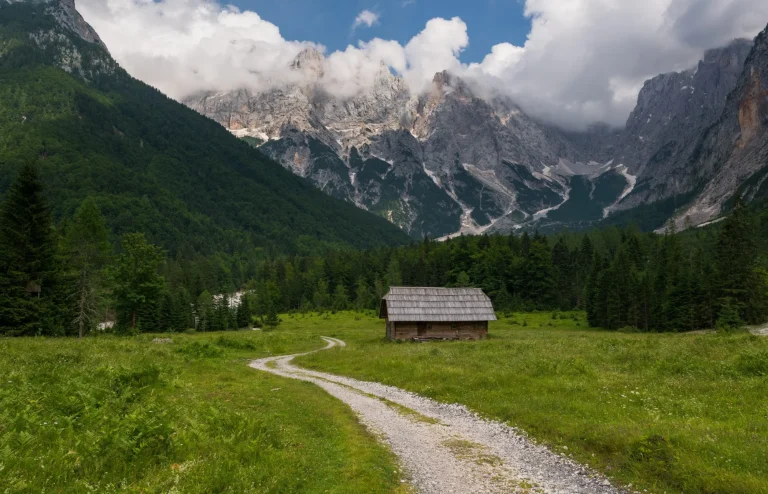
728	318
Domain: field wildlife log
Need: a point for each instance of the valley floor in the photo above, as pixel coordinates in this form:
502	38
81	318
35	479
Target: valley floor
659	412
662	413
447	448
111	414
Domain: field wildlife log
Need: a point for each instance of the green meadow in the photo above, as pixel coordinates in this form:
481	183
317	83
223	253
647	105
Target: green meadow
662	412
110	414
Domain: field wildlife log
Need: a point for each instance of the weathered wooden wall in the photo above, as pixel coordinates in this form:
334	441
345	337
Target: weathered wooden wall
437	330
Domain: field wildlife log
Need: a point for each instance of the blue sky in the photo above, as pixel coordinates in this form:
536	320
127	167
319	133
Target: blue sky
329	22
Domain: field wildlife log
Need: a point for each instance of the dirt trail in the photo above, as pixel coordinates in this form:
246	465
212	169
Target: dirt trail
446	448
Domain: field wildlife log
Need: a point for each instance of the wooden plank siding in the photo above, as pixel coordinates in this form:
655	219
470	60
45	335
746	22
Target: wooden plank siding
437	330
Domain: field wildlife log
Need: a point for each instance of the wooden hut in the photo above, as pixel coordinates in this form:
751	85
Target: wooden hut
436	313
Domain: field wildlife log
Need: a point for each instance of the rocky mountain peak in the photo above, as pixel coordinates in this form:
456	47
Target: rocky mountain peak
68	17
672	110
458	159
734	152
311	62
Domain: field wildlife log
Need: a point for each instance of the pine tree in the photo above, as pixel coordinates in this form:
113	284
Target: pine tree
137	282
584	258
271	319
204	311
167	313
27	258
243	312
564	275
503	300
728	318
88	248
222	313
183	318
538	278
737	263
231	316
463	281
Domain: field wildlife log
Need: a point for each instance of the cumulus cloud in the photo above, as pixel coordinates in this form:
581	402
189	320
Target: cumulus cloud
185	46
366	18
584	61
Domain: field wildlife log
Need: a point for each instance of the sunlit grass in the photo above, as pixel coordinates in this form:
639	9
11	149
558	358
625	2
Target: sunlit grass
670	412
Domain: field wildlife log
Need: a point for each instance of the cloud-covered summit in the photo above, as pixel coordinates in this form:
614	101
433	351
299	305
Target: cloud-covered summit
584	61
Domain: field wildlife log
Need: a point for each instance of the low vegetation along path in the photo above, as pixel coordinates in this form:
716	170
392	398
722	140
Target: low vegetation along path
446	448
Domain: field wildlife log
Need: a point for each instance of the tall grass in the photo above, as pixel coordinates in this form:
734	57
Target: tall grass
112	414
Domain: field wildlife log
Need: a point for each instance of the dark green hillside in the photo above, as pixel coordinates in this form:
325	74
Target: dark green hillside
152	164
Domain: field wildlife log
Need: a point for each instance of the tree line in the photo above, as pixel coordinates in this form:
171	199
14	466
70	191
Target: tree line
69	278
622	278
66	280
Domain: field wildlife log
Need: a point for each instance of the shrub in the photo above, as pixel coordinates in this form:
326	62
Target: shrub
728	318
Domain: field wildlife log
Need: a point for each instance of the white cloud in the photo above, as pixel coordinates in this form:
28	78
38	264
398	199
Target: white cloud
583	61
434	49
184	46
366	18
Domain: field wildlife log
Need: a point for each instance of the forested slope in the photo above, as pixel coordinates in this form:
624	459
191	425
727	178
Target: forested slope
151	164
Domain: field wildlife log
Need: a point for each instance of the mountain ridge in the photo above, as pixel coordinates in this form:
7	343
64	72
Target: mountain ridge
483	154
152	164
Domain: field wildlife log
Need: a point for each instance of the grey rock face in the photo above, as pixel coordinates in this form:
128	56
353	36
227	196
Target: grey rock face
435	164
450	161
673	111
73	44
68	17
733	154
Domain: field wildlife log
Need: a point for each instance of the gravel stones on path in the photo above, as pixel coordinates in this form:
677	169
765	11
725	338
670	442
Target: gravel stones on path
447	448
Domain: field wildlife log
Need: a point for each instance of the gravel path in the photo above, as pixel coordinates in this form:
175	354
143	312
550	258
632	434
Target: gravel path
446	448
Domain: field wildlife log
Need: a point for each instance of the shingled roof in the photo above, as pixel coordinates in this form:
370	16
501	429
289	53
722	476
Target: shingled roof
404	304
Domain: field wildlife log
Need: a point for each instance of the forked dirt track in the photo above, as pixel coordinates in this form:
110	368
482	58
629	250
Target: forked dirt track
446	448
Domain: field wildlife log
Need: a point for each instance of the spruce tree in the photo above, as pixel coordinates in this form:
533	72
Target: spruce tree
88	249
167	313
538	276
243	312
137	283
463	281
739	282
182	311
27	258
203	311
564	275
